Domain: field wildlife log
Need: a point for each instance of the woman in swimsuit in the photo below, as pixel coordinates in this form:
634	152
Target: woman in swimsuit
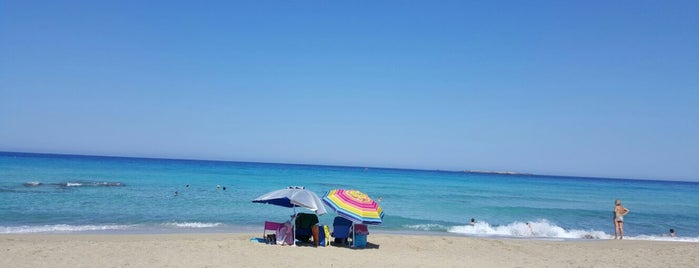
619	213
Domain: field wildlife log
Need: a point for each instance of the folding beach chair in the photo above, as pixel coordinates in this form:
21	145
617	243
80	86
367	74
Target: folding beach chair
272	226
341	230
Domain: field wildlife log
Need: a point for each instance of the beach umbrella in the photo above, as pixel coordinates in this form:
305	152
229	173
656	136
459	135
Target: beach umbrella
354	206
292	197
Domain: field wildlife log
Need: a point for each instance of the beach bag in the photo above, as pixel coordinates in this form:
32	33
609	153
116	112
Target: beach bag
325	238
285	235
321	235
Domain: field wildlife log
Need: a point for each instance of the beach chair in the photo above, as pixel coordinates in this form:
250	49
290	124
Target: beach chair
304	226
271	226
341	230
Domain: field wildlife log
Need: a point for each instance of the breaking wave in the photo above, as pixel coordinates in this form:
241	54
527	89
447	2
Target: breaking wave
429	227
193	224
59	228
75	184
537	229
32	184
542	229
92	184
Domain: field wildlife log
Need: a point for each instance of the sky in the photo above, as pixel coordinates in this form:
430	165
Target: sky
577	88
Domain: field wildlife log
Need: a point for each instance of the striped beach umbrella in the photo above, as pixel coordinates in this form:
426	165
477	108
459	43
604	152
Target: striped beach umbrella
354	206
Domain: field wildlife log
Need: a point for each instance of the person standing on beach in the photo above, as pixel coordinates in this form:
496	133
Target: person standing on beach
619	213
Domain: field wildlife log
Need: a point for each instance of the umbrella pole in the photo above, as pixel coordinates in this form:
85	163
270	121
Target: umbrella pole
354	234
293	229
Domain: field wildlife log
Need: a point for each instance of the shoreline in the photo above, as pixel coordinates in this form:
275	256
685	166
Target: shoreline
383	249
249	229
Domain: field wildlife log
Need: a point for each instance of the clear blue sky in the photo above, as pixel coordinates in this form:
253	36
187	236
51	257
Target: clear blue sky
582	88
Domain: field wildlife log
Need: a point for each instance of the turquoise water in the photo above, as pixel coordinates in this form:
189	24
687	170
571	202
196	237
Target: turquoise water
61	193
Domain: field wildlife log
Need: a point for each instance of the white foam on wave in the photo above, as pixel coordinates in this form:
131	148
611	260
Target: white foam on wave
544	229
193	224
58	228
73	184
537	229
427	227
663	238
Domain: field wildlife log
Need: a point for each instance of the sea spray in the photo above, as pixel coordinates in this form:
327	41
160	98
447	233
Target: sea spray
535	229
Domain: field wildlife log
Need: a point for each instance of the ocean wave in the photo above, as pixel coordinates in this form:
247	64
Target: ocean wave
193	224
7	190
92	184
429	227
32	184
537	229
75	184
59	228
663	238
543	229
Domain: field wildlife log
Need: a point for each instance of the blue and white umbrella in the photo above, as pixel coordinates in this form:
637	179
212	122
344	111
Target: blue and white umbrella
292	197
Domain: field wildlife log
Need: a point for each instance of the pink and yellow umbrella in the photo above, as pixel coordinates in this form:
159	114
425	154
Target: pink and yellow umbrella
354	206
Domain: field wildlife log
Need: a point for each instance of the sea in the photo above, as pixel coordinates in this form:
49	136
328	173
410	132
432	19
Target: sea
73	194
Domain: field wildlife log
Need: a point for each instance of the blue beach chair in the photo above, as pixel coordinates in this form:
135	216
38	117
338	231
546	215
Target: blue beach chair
341	230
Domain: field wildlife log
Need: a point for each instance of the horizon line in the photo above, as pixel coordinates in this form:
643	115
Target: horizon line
468	171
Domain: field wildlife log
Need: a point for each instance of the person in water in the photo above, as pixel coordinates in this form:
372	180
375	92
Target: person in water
619	213
473	221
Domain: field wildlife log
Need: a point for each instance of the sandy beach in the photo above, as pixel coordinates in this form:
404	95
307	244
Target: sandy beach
383	250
